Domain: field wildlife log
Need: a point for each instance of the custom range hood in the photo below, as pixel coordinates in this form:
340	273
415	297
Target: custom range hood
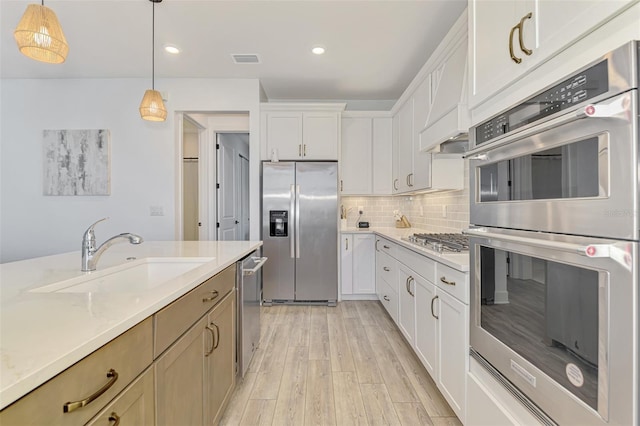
447	126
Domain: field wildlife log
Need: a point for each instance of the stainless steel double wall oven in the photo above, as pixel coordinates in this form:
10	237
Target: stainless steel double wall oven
554	245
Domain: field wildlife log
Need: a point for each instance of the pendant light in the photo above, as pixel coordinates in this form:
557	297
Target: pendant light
39	35
152	107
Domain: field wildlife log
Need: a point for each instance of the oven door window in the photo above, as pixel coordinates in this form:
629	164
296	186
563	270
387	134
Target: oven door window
548	313
574	170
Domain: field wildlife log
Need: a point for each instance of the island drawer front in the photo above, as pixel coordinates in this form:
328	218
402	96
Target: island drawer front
129	355
454	282
175	319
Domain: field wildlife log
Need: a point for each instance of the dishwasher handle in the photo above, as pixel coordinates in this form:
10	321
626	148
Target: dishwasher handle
260	261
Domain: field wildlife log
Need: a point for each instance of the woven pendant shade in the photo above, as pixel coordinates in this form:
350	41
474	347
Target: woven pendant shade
39	35
152	107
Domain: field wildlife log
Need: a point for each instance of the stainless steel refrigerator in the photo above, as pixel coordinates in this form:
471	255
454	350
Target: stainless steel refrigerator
300	232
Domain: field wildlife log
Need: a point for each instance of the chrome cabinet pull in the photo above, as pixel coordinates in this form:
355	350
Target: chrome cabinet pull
406	284
72	406
444	280
341	186
410	176
304	150
514	58
409	288
407	179
217	340
395	184
520	37
377	241
386	269
385	297
113	417
213	340
209	299
432	302
386	246
299	150
346	242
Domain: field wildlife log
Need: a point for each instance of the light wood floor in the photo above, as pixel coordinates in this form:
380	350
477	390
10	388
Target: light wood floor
346	365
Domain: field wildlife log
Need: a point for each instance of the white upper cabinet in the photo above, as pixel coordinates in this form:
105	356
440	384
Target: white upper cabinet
405	147
300	131
508	38
382	154
356	159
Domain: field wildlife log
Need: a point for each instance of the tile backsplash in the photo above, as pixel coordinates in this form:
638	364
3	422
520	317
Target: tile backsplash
424	211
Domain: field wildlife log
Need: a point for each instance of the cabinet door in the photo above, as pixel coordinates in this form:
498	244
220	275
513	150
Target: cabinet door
421	166
284	134
364	281
491	22
346	264
220	358
453	350
405	147
426	324
382	156
180	373
406	309
395	155
321	134
356	158
133	406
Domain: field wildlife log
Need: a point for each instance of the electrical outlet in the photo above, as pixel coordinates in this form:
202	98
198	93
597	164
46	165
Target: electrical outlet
360	209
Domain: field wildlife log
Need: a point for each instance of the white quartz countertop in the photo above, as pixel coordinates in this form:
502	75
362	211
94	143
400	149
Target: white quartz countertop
459	261
42	334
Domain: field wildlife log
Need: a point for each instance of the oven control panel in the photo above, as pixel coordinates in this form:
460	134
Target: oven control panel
582	86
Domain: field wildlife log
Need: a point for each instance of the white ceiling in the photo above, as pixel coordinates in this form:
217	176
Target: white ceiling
373	48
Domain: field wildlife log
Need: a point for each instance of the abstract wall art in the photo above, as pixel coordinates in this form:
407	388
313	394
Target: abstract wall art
76	162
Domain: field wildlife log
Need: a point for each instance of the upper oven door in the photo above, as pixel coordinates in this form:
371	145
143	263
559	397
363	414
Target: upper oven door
556	315
576	174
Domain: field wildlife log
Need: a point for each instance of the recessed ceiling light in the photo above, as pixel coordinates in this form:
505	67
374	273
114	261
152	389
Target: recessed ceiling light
318	50
169	48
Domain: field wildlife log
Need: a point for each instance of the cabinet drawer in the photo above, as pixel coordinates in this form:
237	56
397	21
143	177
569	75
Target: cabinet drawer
172	321
134	406
387	269
389	300
454	282
419	263
128	355
386	246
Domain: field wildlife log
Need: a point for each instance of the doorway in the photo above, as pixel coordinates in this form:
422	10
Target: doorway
215	176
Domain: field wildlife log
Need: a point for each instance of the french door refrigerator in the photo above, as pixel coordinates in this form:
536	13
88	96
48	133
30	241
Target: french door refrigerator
300	232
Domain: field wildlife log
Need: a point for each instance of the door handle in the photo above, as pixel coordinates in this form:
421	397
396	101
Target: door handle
385	297
68	407
237	222
514	58
410	179
432	302
304	150
341	186
213	340
395	184
520	36
297	222
409	289
346	243
261	261
386	269
386	246
377	241
217	341
292	201
299	150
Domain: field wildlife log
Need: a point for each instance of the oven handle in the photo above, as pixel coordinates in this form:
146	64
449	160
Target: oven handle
617	107
259	262
591	250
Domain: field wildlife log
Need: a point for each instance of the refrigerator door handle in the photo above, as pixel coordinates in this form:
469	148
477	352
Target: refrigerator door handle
297	232
293	212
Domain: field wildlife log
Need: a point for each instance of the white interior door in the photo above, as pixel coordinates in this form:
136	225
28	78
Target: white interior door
228	183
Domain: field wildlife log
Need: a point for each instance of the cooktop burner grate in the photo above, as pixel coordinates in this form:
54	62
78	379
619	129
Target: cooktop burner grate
455	243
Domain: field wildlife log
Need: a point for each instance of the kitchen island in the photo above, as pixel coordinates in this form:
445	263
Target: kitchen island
42	333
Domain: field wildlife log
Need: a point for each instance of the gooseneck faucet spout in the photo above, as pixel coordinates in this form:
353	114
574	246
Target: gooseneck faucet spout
91	254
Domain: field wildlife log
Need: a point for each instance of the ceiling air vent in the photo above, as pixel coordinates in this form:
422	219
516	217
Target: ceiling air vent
245	58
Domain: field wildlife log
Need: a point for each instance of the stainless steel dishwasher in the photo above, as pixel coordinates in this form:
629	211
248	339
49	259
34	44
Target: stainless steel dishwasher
249	294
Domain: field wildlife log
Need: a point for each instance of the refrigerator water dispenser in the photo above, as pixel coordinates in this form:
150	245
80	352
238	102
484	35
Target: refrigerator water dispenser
278	223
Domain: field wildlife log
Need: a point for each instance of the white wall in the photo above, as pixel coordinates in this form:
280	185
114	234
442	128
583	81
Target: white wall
144	158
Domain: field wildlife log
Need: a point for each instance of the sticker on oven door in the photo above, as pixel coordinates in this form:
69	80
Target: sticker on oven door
574	374
530	378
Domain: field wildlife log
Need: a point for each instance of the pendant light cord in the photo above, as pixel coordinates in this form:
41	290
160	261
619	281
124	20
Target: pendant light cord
153	45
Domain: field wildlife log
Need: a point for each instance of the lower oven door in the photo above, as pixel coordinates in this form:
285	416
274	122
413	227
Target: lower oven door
555	315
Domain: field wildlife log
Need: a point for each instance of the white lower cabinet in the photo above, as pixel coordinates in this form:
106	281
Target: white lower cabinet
432	316
357	272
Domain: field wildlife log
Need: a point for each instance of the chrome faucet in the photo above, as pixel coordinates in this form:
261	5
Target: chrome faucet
91	254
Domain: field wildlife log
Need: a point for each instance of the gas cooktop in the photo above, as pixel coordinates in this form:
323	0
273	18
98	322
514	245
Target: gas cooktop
450	243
